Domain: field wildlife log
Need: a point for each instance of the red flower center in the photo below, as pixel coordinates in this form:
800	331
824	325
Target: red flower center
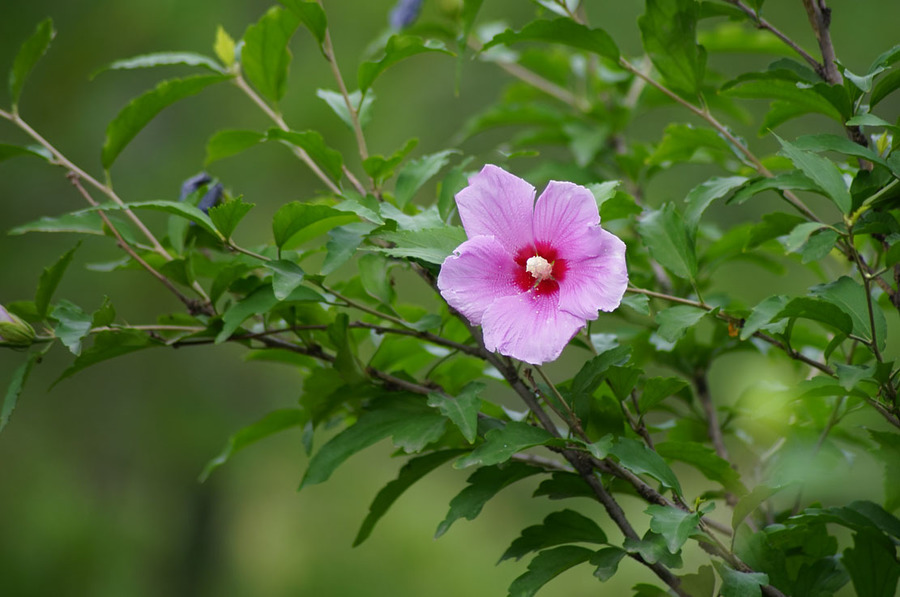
526	281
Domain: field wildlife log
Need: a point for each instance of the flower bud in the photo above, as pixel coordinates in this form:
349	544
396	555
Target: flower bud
405	13
14	331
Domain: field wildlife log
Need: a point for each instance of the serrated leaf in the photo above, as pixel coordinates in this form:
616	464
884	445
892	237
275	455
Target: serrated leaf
607	562
546	566
144	108
558	528
265	57
674	524
701	196
850	297
178	208
14	389
785	181
105	315
640	459
762	314
380	168
669	32
889	455
652	548
740	584
338	105
299	222
226	216
224	47
461	409
314	145
820	170
12	151
72	325
701	584
311	15
593	372
29	53
417	172
274	422
872	564
706	461
286	277
412	425
799	235
638	302
665	234
500	444
657	389
563	31
162	59
830	142
398	47
433	245
343	242
800	100
410	473
108	345
675	321
373	275
816	310
225	144
688	143
49	280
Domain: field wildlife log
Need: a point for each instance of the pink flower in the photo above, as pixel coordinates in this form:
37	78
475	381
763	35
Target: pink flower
531	274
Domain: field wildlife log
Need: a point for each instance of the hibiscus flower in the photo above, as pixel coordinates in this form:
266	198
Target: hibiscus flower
531	274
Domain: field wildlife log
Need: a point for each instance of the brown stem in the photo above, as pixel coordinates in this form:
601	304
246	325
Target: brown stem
762	23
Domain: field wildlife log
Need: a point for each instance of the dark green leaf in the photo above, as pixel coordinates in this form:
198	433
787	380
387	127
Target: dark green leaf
342	244
850	297
885	86
546	566
226	216
674	524
12	151
563	31
410	473
706	461
108	345
50	280
373	275
29	53
462	409
622	380
432	245
701	584
105	315
260	301
675	321
301	222
345	360
822	171
417	172
398	48
265	57
178	208
500	444
273	422
652	548
143	109
314	145
799	100
669	31
688	143
607	562
699	198
564	485
872	564
665	234
311	15
816	310
225	144
830	142
337	103
750	502
889	455
72	325
14	389
643	589
785	181
412	425
762	314
558	528
640	459
453	182
380	168
484	484
740	584
162	59
286	277
657	389
592	373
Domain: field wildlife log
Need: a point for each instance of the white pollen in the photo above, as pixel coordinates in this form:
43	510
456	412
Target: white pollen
538	267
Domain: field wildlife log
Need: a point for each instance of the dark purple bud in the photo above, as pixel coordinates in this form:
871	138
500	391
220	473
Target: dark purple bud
192	184
405	13
211	198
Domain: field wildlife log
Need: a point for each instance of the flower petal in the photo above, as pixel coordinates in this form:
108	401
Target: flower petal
596	282
499	204
564	215
529	327
479	272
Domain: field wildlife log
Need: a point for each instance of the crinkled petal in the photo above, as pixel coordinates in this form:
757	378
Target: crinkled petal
499	204
479	272
564	216
595	283
529	327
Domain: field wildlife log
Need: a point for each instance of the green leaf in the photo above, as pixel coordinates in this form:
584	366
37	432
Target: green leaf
178	208
740	584
675	321
108	345
12	151
162	59
226	216
607	562
563	31
462	409
225	144
262	300
380	168
105	315
889	455
144	108
799	100
592	373
224	47
688	143
345	360
272	423
29	53
800	234
822	171
14	389
432	245
373	275
657	389
399	47
265	57
750	502
830	142
762	314
652	548
850	297
701	584
314	145
338	105
412	425
311	15
669	31
872	564
785	181
885	86
638	302
640	459
343	242
700	197
484	484
665	234
410	473
72	326
558	528
500	444
50	280
818	310
418	172
674	524
546	566
287	276
706	461
300	222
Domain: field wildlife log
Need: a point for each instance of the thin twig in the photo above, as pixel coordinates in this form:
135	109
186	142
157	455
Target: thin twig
762	23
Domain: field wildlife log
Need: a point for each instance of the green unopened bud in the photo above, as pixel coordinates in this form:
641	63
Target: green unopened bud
14	331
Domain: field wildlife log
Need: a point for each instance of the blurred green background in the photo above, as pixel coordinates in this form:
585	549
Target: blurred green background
98	477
